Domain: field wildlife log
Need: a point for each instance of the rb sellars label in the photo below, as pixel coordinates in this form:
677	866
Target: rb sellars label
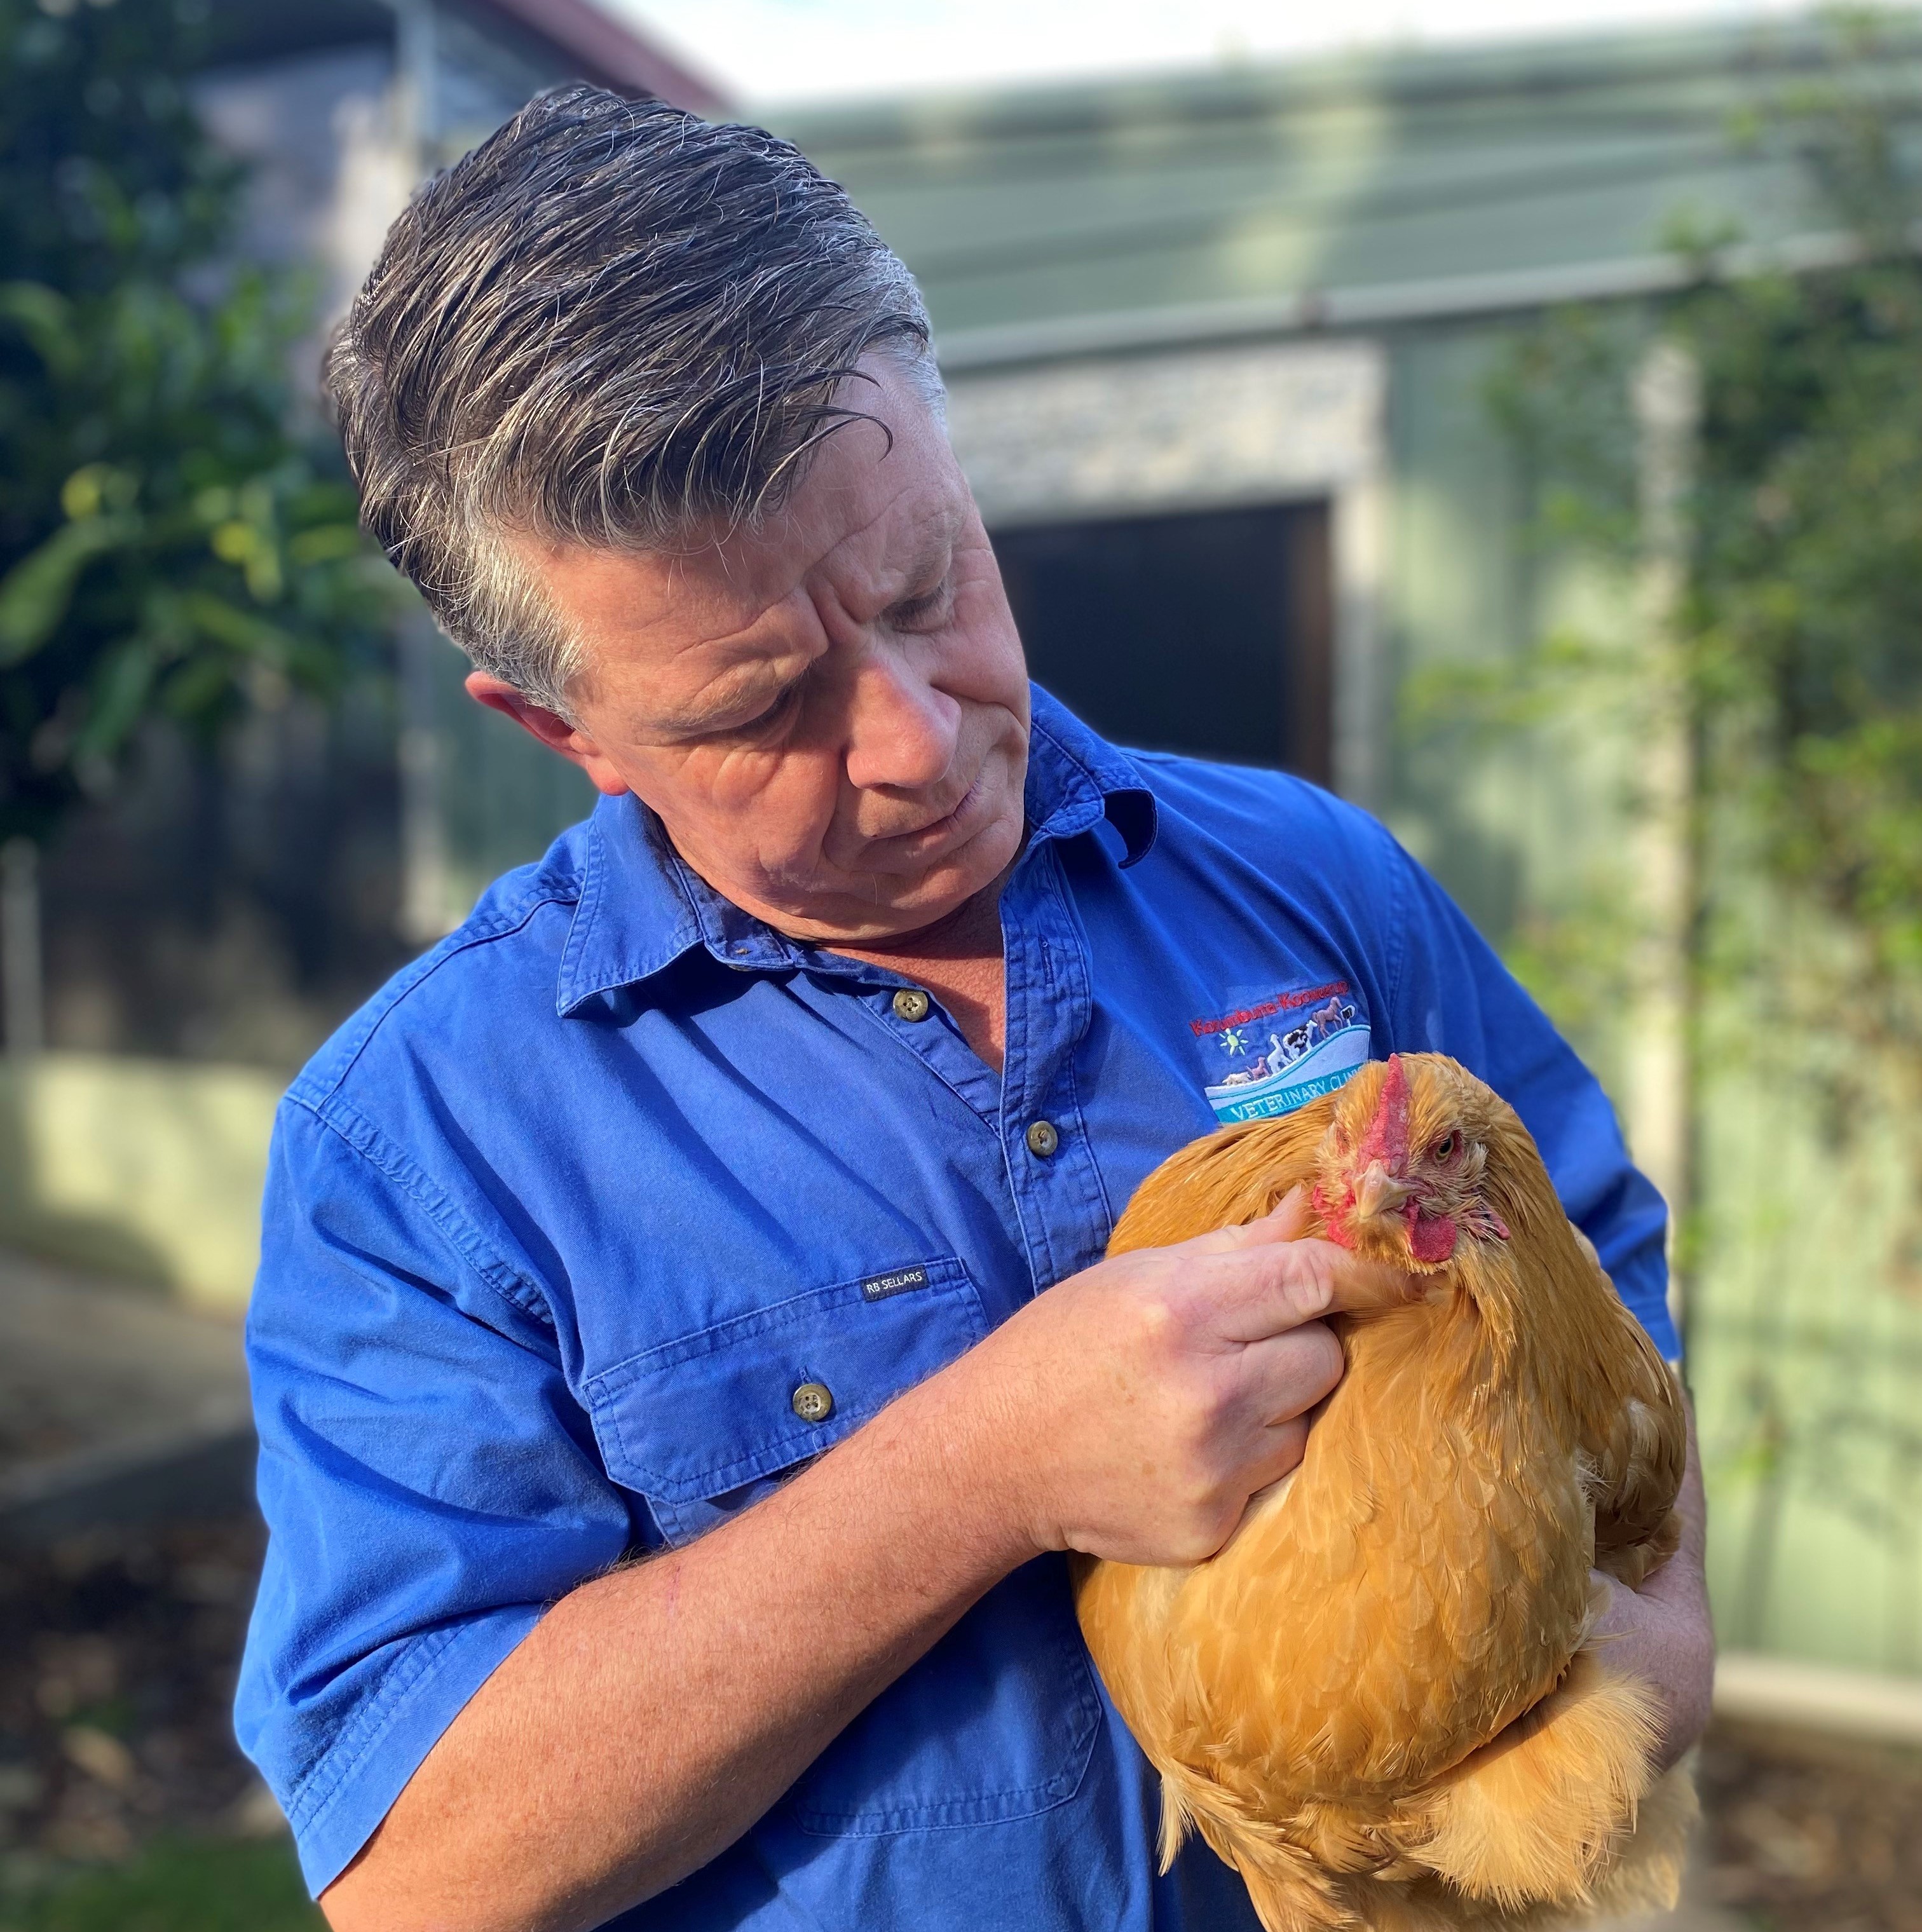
879	1287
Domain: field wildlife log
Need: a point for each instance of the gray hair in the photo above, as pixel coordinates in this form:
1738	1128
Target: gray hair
611	324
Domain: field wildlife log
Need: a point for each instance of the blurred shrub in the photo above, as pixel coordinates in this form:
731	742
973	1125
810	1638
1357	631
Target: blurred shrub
1797	619
177	1885
1745	661
170	543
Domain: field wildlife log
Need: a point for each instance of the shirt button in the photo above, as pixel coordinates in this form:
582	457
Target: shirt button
1042	1138
912	1003
813	1402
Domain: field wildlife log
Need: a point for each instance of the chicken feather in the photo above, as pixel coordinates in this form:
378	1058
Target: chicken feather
1380	1700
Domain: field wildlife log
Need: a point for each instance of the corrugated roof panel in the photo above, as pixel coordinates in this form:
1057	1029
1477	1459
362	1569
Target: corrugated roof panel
1036	205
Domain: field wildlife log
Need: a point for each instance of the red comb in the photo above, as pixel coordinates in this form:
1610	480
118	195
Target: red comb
1386	1139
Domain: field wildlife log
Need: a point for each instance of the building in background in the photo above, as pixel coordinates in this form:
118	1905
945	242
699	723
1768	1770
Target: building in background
233	908
1217	349
192	937
341	106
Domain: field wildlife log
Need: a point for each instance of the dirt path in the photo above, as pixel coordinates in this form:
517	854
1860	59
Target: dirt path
113	1402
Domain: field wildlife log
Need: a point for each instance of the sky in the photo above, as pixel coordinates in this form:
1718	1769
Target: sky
769	50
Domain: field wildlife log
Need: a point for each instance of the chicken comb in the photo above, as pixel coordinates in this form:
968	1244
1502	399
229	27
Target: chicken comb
1386	1139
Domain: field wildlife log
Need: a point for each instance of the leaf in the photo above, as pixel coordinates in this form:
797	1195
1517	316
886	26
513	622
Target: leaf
34	595
146	358
45	317
328	543
239	631
119	694
97	486
198	687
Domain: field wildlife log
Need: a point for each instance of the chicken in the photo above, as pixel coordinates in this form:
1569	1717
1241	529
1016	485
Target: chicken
1379	1701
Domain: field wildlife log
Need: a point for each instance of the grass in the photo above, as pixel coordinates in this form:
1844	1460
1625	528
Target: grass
176	1885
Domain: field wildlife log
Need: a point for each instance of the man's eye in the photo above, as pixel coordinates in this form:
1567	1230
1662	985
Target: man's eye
923	613
766	721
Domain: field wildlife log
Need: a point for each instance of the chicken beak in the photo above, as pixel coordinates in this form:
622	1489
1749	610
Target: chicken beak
1380	1192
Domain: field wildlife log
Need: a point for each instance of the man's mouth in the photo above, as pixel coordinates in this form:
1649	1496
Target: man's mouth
911	844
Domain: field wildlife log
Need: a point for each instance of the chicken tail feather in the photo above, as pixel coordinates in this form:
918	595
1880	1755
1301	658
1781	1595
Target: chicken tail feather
1539	1814
1290	1891
1176	1819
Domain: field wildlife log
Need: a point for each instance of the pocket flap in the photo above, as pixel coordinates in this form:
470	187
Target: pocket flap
711	1413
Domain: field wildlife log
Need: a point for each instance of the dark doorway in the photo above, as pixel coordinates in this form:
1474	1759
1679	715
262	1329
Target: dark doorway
1209	633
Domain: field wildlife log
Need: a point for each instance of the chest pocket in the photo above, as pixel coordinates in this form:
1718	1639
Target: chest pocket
998	1720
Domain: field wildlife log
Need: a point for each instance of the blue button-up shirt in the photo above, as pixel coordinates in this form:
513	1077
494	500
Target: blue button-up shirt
557	1225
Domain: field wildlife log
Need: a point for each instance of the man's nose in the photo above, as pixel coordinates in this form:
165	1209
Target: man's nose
902	732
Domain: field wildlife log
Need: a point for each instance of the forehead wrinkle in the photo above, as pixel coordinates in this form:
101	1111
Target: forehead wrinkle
924	502
938	539
732	560
900	566
746	660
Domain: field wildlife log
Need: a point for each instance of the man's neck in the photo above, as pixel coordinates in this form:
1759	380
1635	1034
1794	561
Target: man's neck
959	960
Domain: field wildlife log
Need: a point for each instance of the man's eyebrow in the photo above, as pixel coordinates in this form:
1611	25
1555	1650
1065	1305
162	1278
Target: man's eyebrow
734	686
936	552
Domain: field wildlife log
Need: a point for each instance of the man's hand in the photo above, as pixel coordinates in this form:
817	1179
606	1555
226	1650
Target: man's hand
652	1715
1139	1404
1662	1632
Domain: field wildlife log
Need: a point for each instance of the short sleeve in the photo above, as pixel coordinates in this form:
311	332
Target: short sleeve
1450	994
429	1483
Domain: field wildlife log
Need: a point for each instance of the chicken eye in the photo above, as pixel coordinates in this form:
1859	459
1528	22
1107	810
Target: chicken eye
1443	1150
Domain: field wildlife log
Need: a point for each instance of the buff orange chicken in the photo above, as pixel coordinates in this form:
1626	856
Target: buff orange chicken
1381	1701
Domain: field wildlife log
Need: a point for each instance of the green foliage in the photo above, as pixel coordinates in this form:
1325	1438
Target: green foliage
1783	646
1806	609
1800	622
1561	397
169	547
176	1885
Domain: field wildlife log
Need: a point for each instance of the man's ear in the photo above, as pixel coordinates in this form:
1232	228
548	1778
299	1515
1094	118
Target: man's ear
577	746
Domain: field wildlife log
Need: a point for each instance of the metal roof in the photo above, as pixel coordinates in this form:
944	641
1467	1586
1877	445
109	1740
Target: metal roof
1051	219
609	51
575	36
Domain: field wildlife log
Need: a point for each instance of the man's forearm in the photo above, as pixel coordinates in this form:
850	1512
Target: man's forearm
653	1714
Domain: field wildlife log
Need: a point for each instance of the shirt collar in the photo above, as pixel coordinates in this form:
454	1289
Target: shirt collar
641	907
1077	779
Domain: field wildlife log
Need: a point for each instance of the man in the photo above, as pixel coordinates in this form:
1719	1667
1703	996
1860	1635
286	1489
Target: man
784	1108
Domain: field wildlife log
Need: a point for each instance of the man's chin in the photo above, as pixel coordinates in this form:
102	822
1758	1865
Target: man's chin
895	907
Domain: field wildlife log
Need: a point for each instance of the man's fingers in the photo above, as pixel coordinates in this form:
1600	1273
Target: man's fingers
1283	1444
1352	1284
1285	1375
1362	1284
1267	1290
1288	1220
1291	1216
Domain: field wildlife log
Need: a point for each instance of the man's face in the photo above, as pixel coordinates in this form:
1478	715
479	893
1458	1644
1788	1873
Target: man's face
829	715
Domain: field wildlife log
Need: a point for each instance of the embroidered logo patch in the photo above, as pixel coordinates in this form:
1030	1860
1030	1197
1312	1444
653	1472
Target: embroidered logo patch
1279	1053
